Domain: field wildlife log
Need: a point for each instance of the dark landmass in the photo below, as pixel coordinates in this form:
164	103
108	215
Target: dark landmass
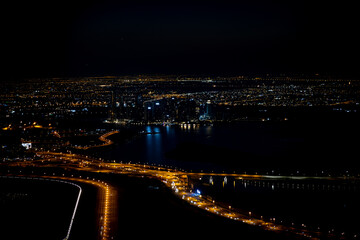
85	223
35	209
124	135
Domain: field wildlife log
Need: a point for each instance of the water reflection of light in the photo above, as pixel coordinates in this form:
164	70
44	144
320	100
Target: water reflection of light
148	129
190	127
208	130
154	148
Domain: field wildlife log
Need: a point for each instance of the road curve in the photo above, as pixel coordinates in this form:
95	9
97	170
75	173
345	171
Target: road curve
107	201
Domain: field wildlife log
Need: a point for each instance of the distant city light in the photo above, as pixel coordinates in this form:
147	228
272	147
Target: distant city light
27	145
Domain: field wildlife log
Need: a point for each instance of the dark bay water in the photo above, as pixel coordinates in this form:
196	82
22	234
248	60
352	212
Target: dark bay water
247	145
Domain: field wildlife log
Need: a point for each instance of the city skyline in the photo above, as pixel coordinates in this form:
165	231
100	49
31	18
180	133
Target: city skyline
145	119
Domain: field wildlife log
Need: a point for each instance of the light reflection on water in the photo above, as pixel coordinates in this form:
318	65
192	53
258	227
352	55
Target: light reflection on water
154	145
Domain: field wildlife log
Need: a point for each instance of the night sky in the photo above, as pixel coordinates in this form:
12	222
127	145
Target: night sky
92	38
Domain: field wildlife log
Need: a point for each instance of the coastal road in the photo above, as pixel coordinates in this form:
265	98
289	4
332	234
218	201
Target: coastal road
175	180
106	201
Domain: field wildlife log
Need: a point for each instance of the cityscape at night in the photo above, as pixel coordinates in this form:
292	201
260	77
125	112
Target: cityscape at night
183	120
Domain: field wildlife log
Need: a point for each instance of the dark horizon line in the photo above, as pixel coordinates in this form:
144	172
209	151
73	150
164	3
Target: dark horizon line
318	75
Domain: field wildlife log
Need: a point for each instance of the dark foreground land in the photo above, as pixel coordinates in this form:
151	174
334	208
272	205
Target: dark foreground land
33	209
146	210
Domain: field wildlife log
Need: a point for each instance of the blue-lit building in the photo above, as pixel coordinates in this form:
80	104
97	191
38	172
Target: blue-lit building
206	111
154	110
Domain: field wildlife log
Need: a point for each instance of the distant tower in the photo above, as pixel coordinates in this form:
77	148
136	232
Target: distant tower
112	115
148	111
207	111
154	110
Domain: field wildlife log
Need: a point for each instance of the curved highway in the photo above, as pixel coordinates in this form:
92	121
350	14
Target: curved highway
174	179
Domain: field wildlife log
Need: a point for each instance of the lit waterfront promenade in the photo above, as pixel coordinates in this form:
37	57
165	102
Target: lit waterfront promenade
102	138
